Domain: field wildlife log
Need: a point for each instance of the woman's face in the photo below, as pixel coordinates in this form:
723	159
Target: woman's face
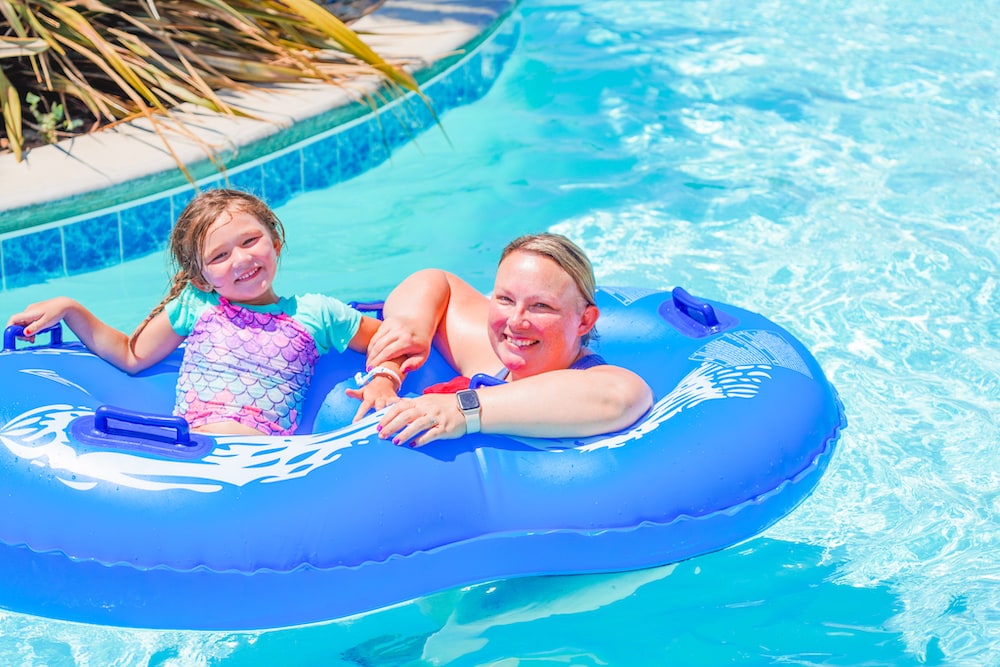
537	315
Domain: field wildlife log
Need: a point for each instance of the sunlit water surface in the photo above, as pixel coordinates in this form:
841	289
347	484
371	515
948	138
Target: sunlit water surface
833	165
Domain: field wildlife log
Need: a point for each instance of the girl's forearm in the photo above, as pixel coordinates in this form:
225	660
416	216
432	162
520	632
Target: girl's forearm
103	340
156	340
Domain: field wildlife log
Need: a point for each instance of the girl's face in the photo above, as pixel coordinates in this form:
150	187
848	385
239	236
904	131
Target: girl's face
537	315
240	259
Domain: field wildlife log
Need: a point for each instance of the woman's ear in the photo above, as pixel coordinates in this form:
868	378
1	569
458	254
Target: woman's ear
589	319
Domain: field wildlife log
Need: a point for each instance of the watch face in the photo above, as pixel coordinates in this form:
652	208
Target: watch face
468	400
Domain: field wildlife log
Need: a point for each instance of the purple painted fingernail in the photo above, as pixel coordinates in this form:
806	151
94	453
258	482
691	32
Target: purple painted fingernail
379	428
395	441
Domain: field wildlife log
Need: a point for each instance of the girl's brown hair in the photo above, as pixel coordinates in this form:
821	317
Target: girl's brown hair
187	238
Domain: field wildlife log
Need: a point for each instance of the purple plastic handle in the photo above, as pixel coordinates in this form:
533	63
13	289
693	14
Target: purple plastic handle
368	307
11	333
143	423
688	304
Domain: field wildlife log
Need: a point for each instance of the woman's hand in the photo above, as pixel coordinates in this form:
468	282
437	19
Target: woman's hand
417	421
399	338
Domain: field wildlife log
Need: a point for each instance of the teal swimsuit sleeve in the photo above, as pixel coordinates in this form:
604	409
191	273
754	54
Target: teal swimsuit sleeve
331	322
184	311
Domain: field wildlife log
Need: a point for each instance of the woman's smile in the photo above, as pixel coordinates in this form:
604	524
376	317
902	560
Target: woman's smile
520	342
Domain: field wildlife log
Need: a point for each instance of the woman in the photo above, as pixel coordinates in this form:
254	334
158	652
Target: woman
533	331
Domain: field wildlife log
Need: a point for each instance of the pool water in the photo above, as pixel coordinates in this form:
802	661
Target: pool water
833	165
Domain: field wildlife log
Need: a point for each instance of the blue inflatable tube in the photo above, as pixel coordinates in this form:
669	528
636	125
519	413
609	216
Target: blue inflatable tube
114	514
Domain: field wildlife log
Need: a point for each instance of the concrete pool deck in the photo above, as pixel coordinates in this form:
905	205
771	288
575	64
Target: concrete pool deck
75	180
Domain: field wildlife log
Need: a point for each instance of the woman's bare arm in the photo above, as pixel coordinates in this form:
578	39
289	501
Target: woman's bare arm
434	307
567	403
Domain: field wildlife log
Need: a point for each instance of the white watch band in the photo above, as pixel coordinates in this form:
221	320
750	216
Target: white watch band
472	423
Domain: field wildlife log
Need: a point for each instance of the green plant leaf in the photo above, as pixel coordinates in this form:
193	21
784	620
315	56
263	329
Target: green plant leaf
350	40
10	105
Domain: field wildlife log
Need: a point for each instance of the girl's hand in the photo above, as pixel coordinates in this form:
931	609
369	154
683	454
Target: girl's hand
375	395
157	339
40	316
395	339
417	421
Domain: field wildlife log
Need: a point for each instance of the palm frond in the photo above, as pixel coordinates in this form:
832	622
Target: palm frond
142	58
10	107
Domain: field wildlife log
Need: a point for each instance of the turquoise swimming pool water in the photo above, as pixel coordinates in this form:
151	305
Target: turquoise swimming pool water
833	165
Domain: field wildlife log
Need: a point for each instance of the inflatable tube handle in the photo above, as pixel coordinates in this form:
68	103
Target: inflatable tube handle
105	413
687	304
485	380
139	431
694	317
11	333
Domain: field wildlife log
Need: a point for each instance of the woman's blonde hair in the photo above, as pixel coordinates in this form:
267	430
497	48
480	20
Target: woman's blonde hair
187	238
568	256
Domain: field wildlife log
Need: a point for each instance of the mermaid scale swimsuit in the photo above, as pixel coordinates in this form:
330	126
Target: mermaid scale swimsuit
245	366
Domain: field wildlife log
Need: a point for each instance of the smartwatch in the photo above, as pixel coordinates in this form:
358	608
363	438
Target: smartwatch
468	403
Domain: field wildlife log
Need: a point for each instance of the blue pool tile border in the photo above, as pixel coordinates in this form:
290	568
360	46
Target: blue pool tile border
103	238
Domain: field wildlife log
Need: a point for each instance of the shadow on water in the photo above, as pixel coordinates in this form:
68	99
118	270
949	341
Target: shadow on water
733	607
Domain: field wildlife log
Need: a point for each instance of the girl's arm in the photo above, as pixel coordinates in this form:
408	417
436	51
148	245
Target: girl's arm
381	390
434	306
152	344
566	403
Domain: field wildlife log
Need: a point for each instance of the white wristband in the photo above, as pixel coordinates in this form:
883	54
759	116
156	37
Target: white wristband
362	379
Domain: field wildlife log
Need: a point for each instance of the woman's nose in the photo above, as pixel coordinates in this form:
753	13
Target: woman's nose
519	318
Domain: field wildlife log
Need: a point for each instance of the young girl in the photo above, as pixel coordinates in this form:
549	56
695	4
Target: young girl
250	354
